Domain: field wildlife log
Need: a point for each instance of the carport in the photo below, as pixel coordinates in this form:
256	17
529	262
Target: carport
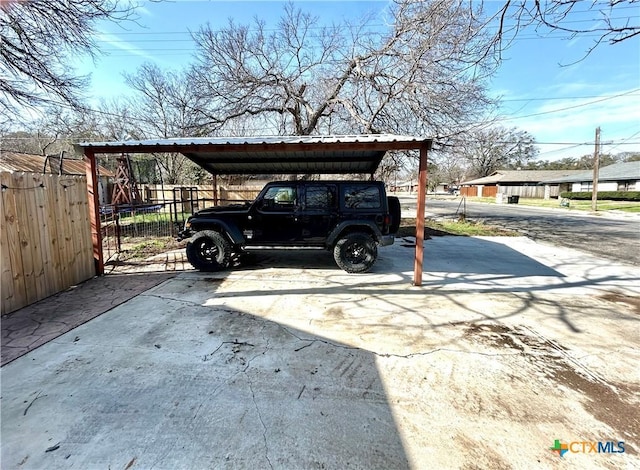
334	154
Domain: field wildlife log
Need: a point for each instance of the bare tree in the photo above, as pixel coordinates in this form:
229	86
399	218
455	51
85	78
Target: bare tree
165	106
608	21
54	131
116	120
421	74
486	151
450	166
36	40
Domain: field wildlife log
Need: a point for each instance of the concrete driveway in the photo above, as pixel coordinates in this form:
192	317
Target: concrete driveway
605	234
508	347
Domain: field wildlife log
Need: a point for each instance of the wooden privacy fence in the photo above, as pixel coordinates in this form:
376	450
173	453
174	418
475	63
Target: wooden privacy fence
46	236
532	191
168	193
472	191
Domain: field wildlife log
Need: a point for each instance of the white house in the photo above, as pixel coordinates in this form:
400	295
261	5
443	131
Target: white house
616	177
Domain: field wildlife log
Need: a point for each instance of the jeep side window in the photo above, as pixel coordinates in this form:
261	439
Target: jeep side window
361	197
319	198
279	199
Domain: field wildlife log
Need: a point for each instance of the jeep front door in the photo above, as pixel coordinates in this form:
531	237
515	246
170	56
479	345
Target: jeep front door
276	219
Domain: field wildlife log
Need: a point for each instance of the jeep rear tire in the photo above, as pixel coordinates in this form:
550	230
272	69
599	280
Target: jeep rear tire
209	251
355	252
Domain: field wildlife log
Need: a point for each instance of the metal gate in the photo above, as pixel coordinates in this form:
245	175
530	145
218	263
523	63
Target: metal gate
132	233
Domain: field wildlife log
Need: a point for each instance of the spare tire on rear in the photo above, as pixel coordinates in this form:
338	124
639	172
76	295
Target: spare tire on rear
395	211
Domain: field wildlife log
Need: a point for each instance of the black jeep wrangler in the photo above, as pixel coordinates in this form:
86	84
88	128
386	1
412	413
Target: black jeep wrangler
351	218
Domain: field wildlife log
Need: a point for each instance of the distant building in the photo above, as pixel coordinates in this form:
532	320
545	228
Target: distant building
523	183
616	177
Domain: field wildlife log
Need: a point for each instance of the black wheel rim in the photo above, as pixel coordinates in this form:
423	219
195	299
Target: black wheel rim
208	250
356	253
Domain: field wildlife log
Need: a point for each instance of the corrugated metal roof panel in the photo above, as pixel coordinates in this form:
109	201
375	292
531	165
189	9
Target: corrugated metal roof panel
270	140
273	154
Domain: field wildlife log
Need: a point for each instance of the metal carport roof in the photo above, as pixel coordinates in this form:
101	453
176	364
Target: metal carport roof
269	155
336	154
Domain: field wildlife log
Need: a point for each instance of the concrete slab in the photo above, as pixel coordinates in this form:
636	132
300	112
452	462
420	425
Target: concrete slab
292	363
39	323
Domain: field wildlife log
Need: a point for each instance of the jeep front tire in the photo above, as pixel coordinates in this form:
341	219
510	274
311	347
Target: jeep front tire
209	251
355	252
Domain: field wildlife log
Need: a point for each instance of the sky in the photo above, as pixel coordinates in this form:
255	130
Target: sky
547	84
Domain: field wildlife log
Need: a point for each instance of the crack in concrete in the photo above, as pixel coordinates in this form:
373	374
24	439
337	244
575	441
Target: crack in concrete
436	350
244	371
264	427
311	341
253	395
234	342
172	299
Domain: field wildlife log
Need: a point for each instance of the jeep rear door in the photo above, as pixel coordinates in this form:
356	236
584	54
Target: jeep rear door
319	212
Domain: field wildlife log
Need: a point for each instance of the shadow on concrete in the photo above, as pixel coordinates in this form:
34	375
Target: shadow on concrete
294	367
287	258
480	256
162	383
463	255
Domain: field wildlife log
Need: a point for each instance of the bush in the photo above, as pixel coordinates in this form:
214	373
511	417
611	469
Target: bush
603	195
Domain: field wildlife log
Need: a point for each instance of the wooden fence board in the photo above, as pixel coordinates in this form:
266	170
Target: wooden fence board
13	286
24	231
51	212
46	237
34	194
66	245
43	277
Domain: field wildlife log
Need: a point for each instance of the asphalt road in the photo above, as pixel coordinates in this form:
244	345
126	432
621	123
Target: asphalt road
614	237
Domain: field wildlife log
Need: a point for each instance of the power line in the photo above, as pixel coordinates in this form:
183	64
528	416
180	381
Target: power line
369	25
566	108
563	149
565	37
624	141
557	98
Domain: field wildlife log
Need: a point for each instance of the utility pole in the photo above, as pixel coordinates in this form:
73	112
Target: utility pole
596	168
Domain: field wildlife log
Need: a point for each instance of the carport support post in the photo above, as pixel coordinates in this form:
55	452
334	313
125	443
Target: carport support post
94	209
215	189
422	190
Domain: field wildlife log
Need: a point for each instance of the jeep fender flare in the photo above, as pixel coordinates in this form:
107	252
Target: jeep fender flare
353	225
230	230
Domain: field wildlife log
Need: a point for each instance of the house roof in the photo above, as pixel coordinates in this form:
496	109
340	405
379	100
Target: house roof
521	176
616	172
332	154
15	161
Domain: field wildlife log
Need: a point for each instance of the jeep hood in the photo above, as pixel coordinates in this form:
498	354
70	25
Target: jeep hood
233	208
